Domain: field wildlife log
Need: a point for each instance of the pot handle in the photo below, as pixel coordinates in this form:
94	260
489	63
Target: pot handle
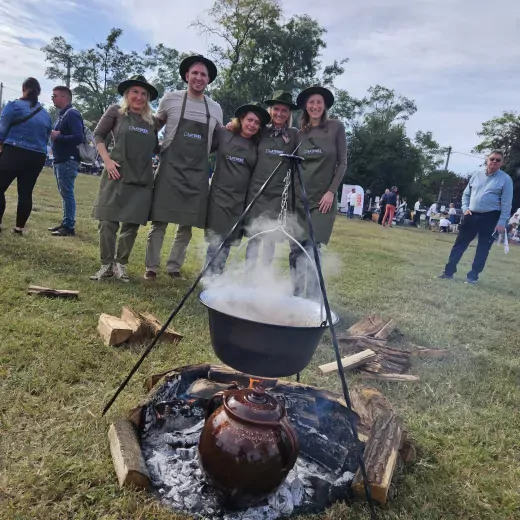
215	402
293	440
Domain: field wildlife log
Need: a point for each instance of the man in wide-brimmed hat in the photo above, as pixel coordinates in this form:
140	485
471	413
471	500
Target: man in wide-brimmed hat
182	179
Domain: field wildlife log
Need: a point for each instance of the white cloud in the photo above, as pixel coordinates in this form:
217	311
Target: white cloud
27	23
459	59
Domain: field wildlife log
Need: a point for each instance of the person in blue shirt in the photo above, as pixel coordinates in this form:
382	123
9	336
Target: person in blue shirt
486	203
66	136
25	127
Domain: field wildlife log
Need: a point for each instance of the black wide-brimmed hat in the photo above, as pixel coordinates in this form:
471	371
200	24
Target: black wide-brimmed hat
328	96
281	97
186	63
257	109
139	81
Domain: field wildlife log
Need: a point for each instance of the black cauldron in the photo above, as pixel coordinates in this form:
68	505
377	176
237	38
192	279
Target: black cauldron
263	335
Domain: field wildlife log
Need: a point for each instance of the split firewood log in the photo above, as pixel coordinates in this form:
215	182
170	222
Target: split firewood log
52	293
350	362
381	452
368	326
113	330
127	456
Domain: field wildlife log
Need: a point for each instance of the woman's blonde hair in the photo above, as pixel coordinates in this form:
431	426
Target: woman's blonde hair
289	121
146	114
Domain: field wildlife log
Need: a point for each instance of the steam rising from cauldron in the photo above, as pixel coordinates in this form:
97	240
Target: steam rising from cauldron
262	291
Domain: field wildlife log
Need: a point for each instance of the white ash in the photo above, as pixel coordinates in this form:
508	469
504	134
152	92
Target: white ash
172	460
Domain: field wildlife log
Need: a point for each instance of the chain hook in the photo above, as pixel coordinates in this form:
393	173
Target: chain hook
282	217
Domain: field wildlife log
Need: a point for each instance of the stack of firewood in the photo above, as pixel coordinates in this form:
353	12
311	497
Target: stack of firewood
367	349
133	327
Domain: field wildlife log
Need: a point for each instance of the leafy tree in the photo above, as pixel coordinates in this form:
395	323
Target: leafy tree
432	152
503	133
261	52
346	108
95	72
386	106
165	61
380	156
380	153
447	183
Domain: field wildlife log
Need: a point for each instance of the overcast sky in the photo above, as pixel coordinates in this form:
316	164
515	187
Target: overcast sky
458	59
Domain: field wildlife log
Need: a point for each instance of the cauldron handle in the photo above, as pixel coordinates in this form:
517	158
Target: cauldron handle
290	434
213	404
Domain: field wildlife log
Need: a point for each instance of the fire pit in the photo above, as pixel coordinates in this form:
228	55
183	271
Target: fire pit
170	423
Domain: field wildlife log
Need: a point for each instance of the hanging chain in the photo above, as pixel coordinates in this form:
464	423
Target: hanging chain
282	217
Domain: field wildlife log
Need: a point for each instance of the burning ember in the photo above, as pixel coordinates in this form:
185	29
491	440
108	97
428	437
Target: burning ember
171	427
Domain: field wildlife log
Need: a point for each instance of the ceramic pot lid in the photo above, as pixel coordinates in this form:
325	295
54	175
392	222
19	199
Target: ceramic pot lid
254	406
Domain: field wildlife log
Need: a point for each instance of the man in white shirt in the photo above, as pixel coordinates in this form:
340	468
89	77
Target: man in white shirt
432	211
486	203
352	200
417	213
182	179
444	224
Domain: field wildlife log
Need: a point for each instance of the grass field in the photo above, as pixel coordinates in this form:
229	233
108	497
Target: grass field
56	374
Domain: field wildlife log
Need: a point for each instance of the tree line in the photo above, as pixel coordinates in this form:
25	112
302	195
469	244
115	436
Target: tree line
261	52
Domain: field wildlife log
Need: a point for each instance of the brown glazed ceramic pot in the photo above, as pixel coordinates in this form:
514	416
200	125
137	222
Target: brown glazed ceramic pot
247	446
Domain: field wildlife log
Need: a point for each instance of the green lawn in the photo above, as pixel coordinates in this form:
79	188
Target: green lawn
56	374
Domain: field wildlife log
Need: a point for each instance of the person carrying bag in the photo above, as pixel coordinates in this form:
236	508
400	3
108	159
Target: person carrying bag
25	127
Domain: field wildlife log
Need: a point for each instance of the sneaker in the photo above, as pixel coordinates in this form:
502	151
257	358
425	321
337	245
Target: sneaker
64	232
18	231
55	228
445	276
471	281
150	276
120	272
106	271
174	274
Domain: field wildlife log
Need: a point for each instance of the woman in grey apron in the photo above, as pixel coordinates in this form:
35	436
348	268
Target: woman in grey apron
323	146
126	185
236	159
278	137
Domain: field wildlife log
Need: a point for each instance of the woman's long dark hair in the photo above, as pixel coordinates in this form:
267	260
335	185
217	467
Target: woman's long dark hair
32	90
305	120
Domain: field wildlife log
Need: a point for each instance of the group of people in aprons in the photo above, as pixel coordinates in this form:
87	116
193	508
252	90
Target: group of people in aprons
247	151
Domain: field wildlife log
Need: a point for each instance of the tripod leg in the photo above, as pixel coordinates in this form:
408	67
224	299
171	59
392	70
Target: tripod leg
333	336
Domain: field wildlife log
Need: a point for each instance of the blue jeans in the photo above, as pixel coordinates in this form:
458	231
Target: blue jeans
66	173
351	210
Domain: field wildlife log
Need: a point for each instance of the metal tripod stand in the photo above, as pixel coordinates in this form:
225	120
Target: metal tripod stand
295	173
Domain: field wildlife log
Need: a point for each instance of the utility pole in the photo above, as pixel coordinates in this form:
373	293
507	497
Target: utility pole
445	169
1	96
447	159
68	71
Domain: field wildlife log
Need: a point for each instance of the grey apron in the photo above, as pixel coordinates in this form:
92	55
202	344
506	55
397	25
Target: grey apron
180	193
269	203
129	198
318	170
236	159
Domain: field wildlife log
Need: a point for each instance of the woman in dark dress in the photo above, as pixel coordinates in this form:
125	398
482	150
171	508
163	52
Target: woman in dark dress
237	152
126	185
276	138
323	145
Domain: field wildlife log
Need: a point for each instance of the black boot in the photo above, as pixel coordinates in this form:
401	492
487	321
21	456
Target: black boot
55	228
64	232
